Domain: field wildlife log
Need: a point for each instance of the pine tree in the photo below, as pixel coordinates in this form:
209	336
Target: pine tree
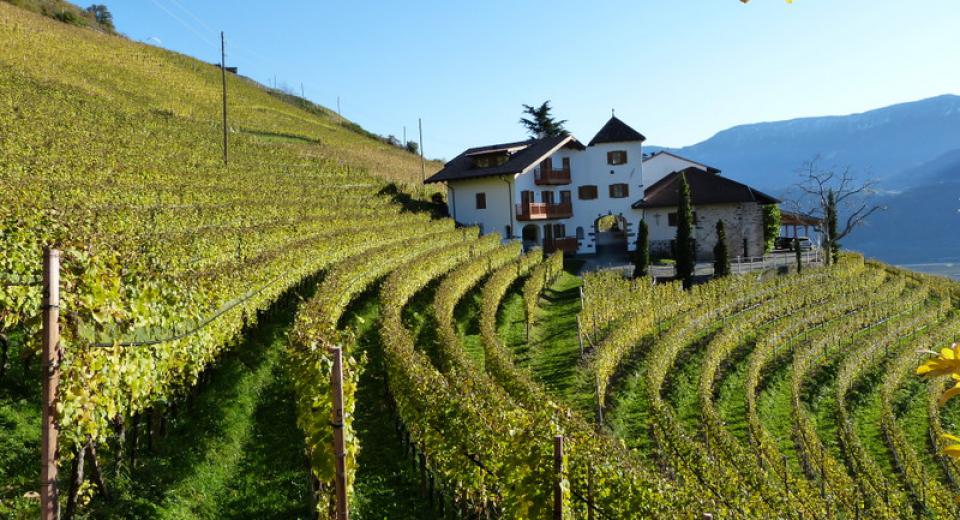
641	257
721	259
541	123
684	244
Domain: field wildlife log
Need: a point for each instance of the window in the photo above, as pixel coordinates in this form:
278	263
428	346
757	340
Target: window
672	219
587	192
619	191
566	163
507	231
579	232
559	231
546	197
565	197
617	157
481	201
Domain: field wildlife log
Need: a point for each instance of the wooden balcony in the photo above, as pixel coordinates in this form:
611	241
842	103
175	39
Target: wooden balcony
568	245
543	210
547	177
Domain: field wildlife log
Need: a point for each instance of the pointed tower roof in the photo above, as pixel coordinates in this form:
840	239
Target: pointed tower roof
616	131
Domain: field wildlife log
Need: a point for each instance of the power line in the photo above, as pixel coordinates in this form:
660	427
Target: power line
184	23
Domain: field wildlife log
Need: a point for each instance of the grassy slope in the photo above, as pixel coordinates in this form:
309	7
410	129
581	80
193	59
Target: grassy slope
387	485
234	453
135	78
552	355
61	10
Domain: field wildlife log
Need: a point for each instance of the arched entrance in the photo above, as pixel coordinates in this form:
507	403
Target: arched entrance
611	233
530	235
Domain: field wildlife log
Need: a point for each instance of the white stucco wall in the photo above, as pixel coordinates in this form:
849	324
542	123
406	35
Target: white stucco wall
462	202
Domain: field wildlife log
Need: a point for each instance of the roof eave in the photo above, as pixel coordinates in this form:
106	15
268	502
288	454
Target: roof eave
433	179
548	153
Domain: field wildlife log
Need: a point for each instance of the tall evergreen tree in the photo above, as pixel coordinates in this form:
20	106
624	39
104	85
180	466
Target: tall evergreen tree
684	244
830	221
721	259
771	226
541	122
798	253
641	257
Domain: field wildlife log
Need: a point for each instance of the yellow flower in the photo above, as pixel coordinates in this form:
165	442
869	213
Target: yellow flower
953	450
954	391
948	362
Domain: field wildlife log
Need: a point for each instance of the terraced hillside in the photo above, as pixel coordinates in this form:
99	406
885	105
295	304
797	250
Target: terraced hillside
110	151
200	304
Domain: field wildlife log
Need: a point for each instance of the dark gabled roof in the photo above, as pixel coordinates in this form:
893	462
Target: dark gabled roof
789	218
710	169
705	189
524	155
616	131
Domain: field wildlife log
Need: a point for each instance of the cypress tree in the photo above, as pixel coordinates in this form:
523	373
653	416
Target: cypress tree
641	257
833	245
796	249
721	259
685	246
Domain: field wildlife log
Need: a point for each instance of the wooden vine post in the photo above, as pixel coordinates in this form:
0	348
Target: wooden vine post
49	501
558	477
339	450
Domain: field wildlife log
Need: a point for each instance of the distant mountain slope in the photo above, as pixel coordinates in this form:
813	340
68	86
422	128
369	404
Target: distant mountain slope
921	223
885	142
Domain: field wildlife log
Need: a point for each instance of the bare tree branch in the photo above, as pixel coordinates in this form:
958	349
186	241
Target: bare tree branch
819	185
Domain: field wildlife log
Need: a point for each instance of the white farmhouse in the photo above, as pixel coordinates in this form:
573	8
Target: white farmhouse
552	192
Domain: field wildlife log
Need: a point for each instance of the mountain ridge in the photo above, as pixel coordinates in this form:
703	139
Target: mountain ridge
881	142
911	148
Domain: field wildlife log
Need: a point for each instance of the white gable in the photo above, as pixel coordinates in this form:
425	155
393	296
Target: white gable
662	164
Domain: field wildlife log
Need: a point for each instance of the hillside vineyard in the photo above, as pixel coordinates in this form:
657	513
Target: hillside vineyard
764	395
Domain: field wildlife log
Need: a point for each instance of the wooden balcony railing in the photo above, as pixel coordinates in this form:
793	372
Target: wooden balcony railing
544	210
566	244
547	177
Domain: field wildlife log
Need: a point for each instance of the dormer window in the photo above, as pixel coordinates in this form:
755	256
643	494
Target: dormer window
490	160
617	157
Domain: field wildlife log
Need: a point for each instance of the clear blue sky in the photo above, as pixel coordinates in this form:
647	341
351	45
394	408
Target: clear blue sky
678	71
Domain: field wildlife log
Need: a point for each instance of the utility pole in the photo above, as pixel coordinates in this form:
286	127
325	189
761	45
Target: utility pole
423	175
223	78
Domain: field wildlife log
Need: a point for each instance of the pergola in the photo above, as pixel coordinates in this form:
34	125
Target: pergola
795	221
